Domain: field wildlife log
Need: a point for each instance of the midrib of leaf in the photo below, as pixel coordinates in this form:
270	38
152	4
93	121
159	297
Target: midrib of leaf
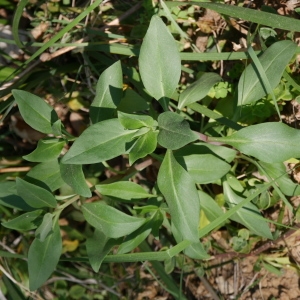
38	198
104	220
30	108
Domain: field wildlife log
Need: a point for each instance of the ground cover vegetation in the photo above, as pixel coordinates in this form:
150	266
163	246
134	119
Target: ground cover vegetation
146	146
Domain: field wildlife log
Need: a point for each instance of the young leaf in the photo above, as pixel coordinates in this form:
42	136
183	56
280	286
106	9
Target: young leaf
108	93
247	215
45	228
47	149
33	195
126	190
97	247
100	142
198	90
273	60
130	121
112	222
159	60
267	142
24	222
174	131
196	165
144	145
46	174
35	111
74	177
181	195
43	258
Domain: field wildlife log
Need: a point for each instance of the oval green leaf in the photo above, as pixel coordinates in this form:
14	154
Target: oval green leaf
112	222
126	190
131	121
159	60
102	141
181	195
109	92
269	142
174	131
35	111
273	60
34	195
198	90
204	168
45	228
47	149
43	258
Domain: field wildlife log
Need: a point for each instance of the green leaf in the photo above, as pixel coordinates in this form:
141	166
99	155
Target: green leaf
159	60
174	131
108	93
35	111
181	195
46	174
10	198
267	142
97	247
224	153
45	228
130	121
47	149
24	222
33	195
100	142
112	222
135	238
126	190
198	90
145	144
273	60
249	215
74	177
43	258
286	185
197	167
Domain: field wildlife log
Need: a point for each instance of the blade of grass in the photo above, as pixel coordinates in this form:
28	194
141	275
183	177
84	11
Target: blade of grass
215	116
16	22
64	30
263	77
247	14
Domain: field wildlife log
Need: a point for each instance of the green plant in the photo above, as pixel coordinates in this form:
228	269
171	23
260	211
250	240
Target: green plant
190	160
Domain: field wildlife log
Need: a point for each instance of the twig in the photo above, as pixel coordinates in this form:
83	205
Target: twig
17	169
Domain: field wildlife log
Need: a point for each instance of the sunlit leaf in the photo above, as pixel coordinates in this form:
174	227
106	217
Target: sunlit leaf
159	60
108	93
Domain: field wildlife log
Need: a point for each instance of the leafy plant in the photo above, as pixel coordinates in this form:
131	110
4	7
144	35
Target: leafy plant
124	213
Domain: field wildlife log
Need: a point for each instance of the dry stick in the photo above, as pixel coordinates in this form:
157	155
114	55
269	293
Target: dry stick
17	169
47	56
